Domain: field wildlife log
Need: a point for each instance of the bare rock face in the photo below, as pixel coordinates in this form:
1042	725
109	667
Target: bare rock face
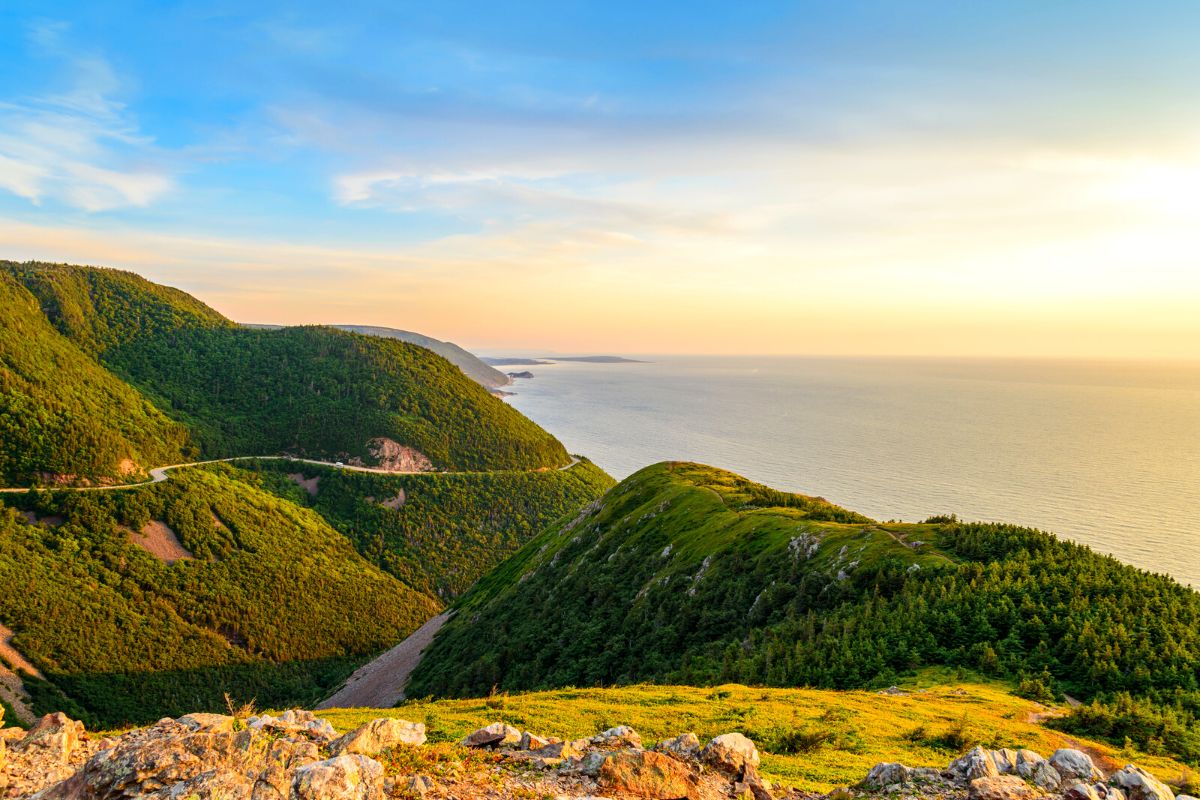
395	457
346	777
1001	787
1075	764
730	753
495	735
378	735
55	737
1140	785
648	774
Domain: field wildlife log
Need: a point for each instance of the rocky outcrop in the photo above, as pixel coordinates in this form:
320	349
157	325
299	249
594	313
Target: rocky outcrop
731	753
379	735
646	773
1001	787
1140	785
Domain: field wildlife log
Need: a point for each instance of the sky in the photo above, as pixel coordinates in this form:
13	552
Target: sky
876	178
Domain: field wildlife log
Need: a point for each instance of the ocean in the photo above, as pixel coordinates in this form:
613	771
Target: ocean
1104	453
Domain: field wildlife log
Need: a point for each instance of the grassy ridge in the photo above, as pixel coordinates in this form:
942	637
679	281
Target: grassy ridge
276	604
686	574
449	529
61	413
843	734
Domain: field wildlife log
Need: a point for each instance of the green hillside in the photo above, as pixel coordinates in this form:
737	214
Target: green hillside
63	415
437	533
324	393
196	385
271	603
689	574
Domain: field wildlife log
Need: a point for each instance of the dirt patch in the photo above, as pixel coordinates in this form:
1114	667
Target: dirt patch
380	683
395	457
157	539
310	485
127	467
394	503
32	518
12	690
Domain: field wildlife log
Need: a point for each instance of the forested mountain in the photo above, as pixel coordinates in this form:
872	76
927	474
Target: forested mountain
105	374
263	598
689	574
470	364
63	415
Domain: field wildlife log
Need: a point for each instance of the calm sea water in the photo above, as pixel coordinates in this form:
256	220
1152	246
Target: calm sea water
1106	454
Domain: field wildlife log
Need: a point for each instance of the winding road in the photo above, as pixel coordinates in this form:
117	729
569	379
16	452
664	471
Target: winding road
159	474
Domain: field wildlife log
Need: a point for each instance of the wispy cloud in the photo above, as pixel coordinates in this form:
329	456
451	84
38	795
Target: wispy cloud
78	145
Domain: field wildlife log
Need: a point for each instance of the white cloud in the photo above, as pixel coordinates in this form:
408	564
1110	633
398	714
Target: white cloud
81	146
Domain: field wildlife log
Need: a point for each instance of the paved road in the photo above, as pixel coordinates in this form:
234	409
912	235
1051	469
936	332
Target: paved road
159	474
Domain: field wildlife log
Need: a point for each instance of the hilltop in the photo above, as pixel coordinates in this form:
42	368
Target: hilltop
689	574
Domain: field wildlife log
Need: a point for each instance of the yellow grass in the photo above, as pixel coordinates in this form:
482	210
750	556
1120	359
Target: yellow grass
869	727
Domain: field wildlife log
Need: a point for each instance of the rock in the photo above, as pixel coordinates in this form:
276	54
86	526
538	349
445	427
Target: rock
347	777
620	736
378	735
730	752
1075	764
760	787
530	741
1027	761
55	736
1140	785
294	721
1000	787
648	774
890	773
1113	793
685	745
1045	777
1079	790
591	762
419	785
563	750
1005	761
977	763
495	735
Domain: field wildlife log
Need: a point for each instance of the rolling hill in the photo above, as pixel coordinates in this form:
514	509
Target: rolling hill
689	574
106	374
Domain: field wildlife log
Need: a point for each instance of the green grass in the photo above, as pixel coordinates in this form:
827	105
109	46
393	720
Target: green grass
868	727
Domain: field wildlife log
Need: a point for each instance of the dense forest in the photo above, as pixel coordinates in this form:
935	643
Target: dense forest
436	533
688	574
271	603
63	414
324	393
105	374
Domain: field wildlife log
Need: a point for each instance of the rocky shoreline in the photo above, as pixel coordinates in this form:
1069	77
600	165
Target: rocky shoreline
300	757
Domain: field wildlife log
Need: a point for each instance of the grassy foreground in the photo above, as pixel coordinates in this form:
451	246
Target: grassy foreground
811	739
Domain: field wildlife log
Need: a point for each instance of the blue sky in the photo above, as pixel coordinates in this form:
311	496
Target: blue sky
587	173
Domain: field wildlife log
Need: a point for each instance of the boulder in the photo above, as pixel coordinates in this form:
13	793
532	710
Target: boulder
1027	761
531	741
890	773
685	745
563	750
758	786
1140	785
293	721
378	735
346	777
1005	761
1075	764
648	774
977	763
55	736
495	735
419	785
1079	790
730	752
1045	777
620	736
1000	787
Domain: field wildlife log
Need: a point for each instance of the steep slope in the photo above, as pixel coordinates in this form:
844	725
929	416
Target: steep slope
62	415
689	574
268	601
323	393
437	533
471	365
311	391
